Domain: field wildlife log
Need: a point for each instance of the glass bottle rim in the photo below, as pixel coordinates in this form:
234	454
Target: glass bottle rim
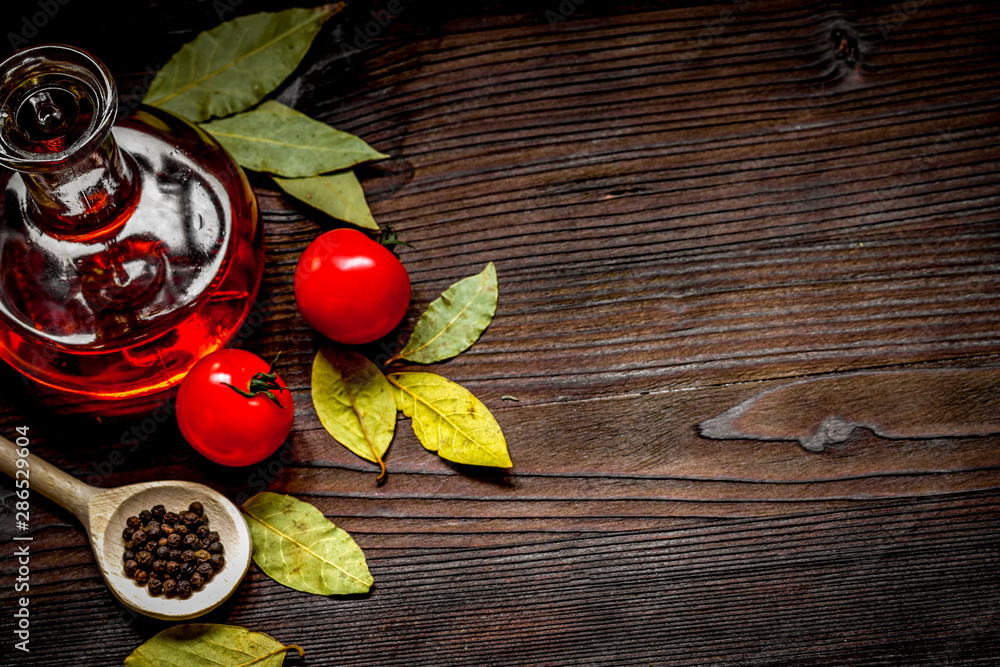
28	69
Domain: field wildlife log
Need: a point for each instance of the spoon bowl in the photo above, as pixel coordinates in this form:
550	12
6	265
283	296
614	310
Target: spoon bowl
103	512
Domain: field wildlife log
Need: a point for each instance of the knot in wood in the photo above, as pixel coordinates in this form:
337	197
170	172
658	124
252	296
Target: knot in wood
845	47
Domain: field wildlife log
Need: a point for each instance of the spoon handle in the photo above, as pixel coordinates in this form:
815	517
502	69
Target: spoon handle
47	479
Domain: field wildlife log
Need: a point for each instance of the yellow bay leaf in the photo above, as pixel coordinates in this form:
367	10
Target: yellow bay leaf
449	420
294	544
210	645
354	402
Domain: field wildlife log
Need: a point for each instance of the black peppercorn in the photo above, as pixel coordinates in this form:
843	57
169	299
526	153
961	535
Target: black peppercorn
171	553
144	560
217	561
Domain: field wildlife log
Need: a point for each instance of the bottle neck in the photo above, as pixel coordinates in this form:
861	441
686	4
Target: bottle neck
57	110
88	198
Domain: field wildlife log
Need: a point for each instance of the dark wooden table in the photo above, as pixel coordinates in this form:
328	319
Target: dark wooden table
787	207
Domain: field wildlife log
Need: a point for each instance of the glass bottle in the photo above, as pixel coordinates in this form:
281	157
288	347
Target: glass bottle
128	251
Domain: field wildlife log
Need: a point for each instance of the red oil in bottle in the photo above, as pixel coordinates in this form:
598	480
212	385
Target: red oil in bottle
126	255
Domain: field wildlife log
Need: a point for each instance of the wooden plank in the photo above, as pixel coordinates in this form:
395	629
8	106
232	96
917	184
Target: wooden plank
819	586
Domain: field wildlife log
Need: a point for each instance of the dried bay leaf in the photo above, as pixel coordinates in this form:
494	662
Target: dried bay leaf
210	645
234	65
294	544
449	420
455	320
354	402
338	195
284	142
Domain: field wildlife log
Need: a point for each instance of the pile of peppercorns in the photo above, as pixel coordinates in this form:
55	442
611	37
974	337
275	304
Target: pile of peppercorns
172	554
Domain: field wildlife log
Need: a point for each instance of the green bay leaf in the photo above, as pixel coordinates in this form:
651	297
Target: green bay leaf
234	65
354	402
339	195
455	320
294	544
210	645
449	420
285	142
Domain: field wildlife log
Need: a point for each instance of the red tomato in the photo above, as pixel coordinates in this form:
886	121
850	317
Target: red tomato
225	425
350	288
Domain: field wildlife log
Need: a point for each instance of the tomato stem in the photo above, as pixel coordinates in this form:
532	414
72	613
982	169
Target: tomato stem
262	383
389	238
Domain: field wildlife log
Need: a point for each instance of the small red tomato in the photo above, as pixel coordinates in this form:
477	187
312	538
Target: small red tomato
351	288
225	412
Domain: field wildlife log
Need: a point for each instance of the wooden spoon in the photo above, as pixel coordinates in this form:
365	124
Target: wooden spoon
103	513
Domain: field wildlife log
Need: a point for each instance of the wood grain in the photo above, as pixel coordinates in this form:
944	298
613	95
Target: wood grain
822	411
687	209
